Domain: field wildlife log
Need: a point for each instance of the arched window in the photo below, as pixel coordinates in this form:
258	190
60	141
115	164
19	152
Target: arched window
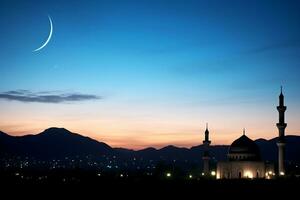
240	174
257	175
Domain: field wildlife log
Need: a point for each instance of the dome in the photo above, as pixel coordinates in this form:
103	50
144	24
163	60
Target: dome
244	149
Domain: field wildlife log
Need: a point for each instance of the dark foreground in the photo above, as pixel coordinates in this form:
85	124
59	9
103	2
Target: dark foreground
137	186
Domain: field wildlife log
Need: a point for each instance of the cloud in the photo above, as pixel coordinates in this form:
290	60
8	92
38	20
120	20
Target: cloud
46	97
17	92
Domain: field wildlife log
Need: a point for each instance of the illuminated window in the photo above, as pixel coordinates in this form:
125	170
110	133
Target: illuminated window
248	174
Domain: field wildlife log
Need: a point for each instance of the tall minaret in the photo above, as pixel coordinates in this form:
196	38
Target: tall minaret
206	156
281	125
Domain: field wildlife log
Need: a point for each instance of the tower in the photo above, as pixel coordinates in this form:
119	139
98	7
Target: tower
281	125
206	155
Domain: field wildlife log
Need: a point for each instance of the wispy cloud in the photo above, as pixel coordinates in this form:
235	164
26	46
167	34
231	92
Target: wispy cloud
276	46
234	62
46	97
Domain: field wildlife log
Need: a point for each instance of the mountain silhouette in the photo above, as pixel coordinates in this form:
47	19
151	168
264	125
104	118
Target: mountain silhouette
268	148
52	143
59	142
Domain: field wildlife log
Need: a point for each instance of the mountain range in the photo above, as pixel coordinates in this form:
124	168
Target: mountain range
55	143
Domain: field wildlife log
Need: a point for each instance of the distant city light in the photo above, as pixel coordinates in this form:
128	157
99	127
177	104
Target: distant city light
281	173
213	173
202	173
121	175
190	176
168	174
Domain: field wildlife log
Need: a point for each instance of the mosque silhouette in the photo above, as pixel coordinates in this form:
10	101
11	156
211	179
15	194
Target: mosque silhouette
244	159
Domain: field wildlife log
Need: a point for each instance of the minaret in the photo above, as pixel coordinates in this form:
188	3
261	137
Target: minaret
206	156
281	125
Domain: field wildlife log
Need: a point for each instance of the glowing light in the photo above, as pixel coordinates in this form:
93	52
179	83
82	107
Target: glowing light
281	173
248	174
213	173
202	174
121	175
168	174
269	174
190	176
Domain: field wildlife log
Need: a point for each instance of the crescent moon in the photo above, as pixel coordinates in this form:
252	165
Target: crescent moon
49	37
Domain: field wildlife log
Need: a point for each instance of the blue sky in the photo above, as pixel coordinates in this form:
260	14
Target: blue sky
158	66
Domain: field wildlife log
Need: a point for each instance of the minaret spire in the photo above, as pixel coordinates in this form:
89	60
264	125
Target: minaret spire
244	131
281	98
281	125
206	139
206	154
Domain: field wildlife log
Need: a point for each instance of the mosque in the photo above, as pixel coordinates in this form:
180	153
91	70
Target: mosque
244	159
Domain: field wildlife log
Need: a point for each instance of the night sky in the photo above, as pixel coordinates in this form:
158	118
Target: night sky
150	73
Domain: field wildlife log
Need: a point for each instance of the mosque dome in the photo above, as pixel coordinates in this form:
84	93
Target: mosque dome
244	149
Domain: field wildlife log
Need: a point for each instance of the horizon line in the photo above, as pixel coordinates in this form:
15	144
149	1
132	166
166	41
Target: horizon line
157	147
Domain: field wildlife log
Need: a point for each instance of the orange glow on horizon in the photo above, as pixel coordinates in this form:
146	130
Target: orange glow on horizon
135	129
154	139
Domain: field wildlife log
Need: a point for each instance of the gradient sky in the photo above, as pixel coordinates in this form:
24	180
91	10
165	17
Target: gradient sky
150	73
